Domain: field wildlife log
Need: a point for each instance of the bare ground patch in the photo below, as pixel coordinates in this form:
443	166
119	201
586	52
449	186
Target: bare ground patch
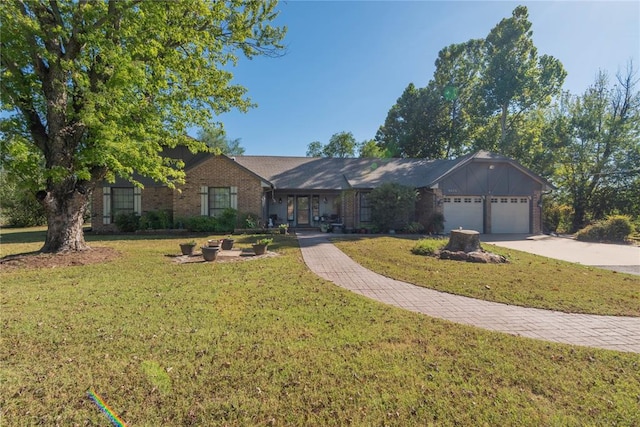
32	260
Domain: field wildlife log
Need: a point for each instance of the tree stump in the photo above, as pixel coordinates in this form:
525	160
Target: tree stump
464	245
464	240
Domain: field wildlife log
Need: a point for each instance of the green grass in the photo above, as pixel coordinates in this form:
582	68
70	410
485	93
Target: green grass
527	280
266	342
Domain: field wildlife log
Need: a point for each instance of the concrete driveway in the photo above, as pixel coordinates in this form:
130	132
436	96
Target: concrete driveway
622	258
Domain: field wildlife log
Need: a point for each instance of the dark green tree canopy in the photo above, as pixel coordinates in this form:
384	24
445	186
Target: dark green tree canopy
341	144
480	93
98	88
218	143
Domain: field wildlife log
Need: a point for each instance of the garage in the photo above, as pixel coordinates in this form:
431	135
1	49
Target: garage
463	211
510	215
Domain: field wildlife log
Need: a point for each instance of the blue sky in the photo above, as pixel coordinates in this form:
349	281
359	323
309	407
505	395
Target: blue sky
348	61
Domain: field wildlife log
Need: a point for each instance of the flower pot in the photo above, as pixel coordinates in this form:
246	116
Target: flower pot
210	253
187	248
259	249
227	244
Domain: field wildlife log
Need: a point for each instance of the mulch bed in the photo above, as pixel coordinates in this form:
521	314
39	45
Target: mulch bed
32	260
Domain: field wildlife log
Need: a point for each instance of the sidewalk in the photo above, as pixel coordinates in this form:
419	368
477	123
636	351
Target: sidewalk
607	332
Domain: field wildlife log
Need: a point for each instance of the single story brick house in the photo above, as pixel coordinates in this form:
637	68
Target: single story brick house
481	191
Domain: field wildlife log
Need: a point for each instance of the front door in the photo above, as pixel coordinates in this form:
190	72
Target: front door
302	210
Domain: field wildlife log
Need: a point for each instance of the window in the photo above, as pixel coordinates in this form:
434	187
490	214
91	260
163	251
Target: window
447	200
467	199
477	200
504	200
219	200
365	208
514	200
524	200
494	200
457	200
214	200
121	201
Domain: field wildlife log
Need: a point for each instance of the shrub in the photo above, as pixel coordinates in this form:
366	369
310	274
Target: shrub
201	224
248	220
127	222
618	227
436	223
615	228
427	246
557	218
392	206
226	222
18	204
414	228
156	220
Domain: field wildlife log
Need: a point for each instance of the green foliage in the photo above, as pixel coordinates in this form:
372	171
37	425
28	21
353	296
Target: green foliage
436	223
249	220
414	228
556	217
616	228
218	143
98	89
264	241
428	246
156	220
18	204
392	206
478	98
201	224
371	149
127	222
596	149
314	149
341	144
514	78
226	222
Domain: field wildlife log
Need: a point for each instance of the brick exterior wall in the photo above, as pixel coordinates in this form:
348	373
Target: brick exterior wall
536	213
218	172
152	199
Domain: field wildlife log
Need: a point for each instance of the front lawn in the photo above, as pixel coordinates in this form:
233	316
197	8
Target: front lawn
266	342
527	280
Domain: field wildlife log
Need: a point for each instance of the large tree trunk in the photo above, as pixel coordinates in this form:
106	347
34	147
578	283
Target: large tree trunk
65	218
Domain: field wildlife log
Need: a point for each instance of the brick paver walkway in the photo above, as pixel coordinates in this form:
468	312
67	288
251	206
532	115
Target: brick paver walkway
609	332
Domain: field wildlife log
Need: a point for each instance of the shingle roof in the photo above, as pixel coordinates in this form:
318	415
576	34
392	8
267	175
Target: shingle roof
324	173
313	173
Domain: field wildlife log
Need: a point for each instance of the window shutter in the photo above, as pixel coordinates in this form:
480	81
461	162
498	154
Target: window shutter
204	201
137	200
234	197
106	205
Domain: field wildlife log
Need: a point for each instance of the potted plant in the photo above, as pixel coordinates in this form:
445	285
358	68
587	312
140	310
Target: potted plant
260	246
227	243
283	228
187	247
210	253
213	243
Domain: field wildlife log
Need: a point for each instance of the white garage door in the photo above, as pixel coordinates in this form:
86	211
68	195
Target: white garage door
509	215
463	211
